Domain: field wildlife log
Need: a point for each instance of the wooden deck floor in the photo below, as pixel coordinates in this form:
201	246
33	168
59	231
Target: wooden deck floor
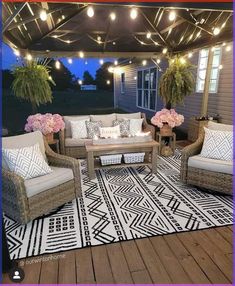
199	257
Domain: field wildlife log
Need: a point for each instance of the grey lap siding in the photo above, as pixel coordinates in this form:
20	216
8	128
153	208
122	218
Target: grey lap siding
219	103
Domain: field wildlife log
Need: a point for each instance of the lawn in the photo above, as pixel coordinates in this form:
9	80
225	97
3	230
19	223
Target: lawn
15	111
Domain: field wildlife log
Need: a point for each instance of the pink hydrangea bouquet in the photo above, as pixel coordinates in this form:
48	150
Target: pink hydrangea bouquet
166	116
46	123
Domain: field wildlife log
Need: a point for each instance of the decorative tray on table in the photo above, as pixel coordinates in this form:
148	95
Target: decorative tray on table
144	137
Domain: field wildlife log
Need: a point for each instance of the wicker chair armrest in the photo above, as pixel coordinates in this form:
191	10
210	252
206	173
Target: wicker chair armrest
62	141
14	197
148	127
188	151
65	162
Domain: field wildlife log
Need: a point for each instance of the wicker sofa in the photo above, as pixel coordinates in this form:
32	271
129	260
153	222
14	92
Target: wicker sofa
211	174
76	147
25	200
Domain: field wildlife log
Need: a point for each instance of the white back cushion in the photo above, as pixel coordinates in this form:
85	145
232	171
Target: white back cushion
219	126
135	126
78	129
68	119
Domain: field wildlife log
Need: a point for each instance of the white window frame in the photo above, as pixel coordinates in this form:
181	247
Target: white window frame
122	83
143	89
213	68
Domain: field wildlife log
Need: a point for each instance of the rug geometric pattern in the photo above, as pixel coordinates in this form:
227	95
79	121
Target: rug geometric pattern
122	204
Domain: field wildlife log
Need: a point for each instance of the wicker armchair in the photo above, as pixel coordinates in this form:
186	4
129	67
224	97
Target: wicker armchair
16	201
211	180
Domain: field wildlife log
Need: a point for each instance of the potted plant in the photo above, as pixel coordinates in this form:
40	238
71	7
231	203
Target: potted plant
166	120
177	82
32	83
47	123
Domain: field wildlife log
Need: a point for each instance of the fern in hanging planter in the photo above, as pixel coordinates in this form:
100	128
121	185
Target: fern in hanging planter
32	83
177	82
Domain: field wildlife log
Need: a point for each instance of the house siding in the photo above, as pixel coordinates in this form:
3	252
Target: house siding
218	103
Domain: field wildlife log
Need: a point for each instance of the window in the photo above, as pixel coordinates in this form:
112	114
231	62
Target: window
122	82
147	88
202	66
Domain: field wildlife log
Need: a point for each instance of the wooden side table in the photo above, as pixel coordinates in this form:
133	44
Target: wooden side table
55	143
172	140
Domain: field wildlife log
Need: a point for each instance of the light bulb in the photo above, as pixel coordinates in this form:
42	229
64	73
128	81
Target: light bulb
108	81
158	61
190	55
228	48
133	13
223	25
144	62
220	67
80	82
224	44
198	34
111	69
148	36
90	12
130	62
70	61
156	43
43	15
172	16
101	61
216	31
50	78
57	65
113	16
135	77
81	54
98	38
191	36
164	51
114	43
29	57
68	41
55	36
116	63
212	49
17	53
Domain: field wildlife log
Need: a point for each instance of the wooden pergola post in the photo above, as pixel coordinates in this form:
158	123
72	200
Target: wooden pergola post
205	97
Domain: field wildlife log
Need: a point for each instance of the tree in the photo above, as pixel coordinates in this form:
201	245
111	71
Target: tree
87	78
32	83
63	78
7	79
103	75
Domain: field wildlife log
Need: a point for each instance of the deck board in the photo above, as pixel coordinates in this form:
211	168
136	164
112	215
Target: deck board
197	256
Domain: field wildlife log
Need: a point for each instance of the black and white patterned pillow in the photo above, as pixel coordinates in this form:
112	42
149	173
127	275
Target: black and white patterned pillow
218	145
124	126
27	162
93	128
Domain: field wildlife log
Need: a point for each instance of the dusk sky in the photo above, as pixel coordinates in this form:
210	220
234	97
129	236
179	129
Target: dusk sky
77	67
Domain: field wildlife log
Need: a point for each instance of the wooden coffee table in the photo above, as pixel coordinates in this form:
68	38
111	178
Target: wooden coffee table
94	151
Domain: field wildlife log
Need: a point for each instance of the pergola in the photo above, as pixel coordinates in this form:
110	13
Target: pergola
120	30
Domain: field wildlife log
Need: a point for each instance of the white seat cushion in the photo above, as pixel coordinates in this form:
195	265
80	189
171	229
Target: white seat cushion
71	142
57	177
213	165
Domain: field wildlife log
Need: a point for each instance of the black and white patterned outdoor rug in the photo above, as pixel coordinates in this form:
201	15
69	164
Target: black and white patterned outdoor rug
122	204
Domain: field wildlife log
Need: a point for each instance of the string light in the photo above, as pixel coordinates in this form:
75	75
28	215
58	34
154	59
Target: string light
43	15
113	16
216	31
29	57
148	35
90	12
111	69
108	81
198	34
172	16
156	43
57	65
114	43
202	21
80	82
213	49
116	63
224	44
172	61
50	78
228	48
70	61
144	62
133	13
158	61
164	51
17	53
130	62
81	54
55	36
190	55
101	61
223	25
135	77
68	41
63	17
220	67
191	36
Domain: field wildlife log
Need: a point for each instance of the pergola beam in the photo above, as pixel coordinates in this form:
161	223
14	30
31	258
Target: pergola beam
12	17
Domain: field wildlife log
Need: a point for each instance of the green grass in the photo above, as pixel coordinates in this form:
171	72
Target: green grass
15	111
